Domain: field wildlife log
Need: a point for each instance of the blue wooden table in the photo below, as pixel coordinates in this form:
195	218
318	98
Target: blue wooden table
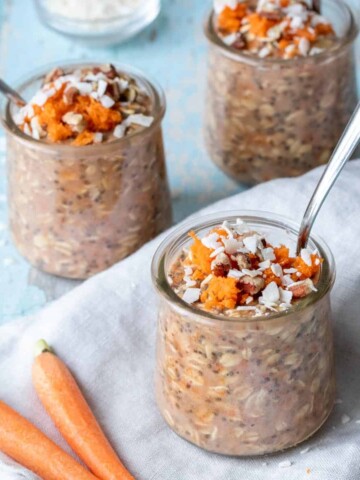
173	50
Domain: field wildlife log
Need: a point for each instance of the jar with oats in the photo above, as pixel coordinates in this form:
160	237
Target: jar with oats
86	167
250	373
280	86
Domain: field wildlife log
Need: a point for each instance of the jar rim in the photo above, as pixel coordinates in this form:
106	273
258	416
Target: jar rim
160	277
237	55
159	106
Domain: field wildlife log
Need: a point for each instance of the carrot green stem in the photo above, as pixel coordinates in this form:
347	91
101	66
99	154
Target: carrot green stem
42	346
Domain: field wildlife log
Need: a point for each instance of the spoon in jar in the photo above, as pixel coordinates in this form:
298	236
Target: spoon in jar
11	94
342	153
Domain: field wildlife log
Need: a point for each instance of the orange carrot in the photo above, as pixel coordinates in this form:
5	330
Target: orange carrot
64	402
26	444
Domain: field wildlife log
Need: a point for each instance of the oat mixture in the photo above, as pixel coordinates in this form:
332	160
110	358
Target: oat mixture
92	188
273	28
89	105
244	384
283	114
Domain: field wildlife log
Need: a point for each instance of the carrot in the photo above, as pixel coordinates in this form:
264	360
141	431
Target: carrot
26	444
64	402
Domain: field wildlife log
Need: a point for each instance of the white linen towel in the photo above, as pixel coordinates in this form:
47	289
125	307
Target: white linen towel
105	331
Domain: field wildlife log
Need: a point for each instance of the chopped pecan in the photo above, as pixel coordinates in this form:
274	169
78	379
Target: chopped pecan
69	95
301	289
275	16
110	71
243	260
251	285
53	75
220	266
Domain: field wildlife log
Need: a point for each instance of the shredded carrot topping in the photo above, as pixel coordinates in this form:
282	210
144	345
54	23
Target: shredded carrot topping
221	293
200	255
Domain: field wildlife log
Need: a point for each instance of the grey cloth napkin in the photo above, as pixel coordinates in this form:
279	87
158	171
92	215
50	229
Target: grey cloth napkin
105	331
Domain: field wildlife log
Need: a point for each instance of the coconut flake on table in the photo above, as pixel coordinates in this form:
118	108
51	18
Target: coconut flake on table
191	295
285	464
345	419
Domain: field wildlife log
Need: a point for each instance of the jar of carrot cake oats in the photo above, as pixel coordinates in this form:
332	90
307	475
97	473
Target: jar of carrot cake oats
244	347
86	167
280	87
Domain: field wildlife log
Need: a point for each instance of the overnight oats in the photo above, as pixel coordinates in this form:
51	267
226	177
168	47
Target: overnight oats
244	350
281	85
86	168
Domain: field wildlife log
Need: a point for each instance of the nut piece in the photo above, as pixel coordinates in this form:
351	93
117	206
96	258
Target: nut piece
243	260
220	266
53	75
302	289
69	95
72	118
251	285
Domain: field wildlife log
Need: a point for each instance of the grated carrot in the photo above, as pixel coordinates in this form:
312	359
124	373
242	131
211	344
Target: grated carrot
221	293
200	255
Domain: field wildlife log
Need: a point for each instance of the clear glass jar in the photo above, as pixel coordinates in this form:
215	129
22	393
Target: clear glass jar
75	211
267	118
244	386
101	24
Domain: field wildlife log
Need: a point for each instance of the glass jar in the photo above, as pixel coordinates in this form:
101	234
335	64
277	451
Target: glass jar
244	386
76	210
98	23
267	118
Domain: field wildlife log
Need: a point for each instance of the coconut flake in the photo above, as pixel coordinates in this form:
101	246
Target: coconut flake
232	245
140	119
219	5
235	274
107	101
276	269
285	296
285	464
270	294
98	137
306	256
217	251
251	243
304	46
119	131
191	295
264	265
102	86
211	241
268	254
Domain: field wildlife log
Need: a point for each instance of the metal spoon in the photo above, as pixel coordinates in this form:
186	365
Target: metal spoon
11	94
342	153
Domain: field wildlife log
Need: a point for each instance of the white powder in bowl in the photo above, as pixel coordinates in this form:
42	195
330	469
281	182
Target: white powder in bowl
93	9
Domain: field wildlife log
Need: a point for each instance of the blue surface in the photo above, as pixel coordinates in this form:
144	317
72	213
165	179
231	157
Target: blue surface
173	51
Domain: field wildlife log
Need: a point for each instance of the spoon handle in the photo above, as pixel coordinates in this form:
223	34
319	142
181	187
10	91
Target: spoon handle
340	156
11	94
